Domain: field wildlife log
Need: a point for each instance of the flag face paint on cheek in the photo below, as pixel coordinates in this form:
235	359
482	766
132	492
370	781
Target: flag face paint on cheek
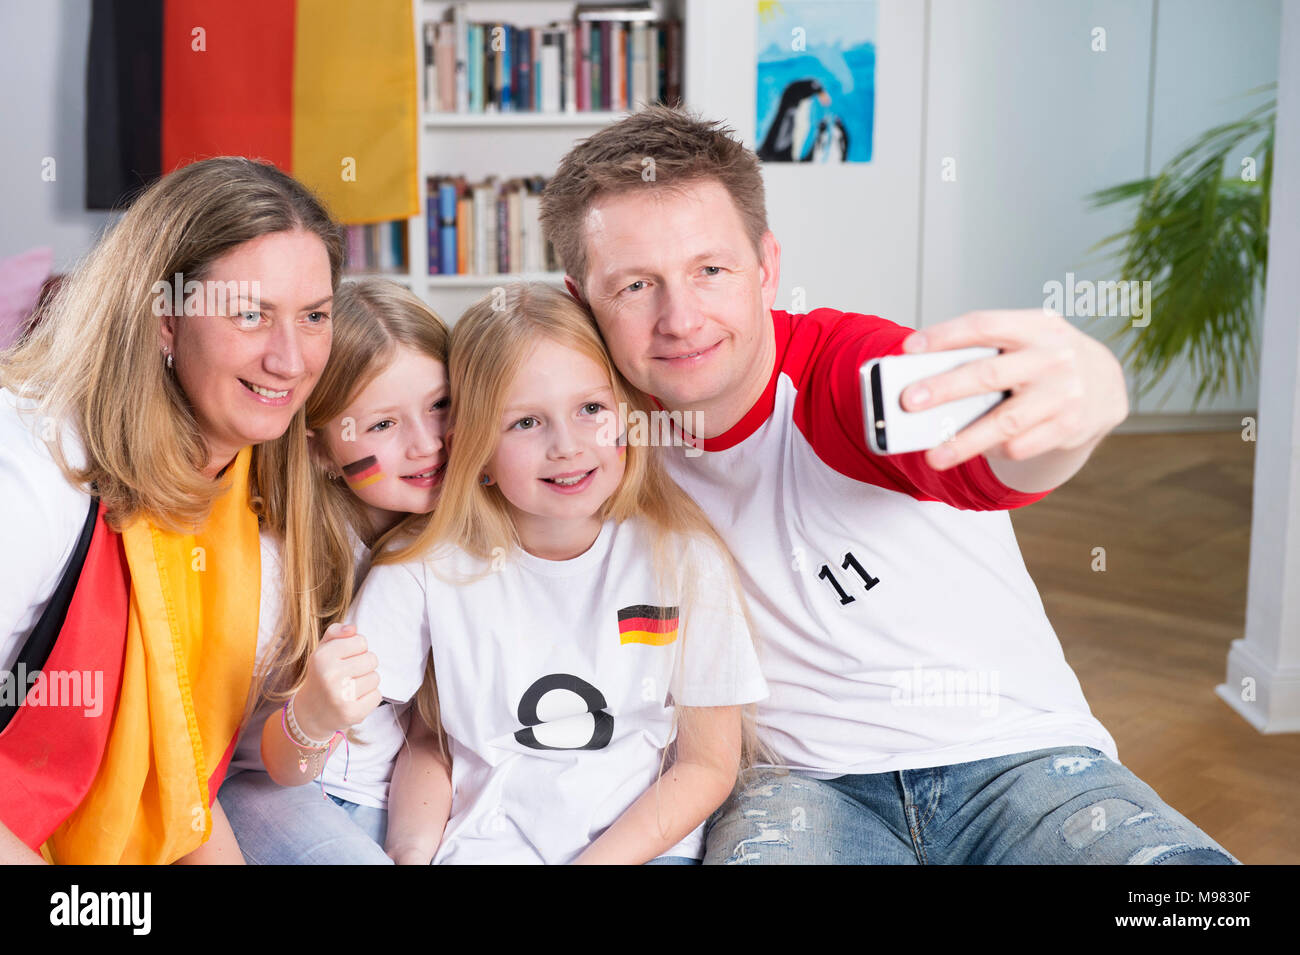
362	473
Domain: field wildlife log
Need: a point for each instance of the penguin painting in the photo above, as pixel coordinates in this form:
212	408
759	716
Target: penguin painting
792	121
830	144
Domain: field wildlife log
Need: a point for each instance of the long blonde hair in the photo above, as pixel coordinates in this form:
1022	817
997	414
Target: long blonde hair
93	359
489	344
372	318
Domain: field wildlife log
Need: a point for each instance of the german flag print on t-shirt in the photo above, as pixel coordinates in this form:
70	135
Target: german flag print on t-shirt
643	623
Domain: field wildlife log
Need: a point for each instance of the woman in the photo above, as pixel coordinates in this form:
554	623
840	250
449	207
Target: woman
191	334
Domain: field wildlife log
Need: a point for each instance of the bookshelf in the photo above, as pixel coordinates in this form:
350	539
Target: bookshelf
592	120
507	145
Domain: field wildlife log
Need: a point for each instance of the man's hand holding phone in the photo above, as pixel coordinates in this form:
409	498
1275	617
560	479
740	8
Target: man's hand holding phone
891	429
1067	391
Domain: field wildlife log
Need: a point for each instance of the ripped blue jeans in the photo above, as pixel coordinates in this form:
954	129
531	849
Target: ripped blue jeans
1071	805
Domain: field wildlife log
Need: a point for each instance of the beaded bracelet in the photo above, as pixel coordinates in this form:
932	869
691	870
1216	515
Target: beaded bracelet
316	749
295	731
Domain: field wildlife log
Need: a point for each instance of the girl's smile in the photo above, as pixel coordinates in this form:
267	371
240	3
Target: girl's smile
430	478
573	483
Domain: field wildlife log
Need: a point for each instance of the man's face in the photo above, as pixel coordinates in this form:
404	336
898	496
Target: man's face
682	298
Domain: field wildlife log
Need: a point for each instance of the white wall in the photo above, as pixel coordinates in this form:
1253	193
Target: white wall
1008	88
42	72
1208	53
848	233
1267	660
1035	121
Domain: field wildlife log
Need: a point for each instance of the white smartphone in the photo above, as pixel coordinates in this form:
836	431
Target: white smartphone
890	429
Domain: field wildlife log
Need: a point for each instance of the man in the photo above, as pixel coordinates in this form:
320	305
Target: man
919	696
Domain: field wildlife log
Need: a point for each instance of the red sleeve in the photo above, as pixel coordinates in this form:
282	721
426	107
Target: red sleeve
826	349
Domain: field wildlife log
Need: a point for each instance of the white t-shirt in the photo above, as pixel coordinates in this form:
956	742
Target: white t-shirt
899	625
369	761
556	681
40	509
42	516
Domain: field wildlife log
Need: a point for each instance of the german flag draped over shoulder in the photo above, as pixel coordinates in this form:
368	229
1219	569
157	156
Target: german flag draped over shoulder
324	89
124	767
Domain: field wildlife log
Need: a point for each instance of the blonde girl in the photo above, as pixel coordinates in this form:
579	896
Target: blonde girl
591	650
376	423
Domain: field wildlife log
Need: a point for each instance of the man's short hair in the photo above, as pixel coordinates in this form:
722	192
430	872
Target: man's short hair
684	150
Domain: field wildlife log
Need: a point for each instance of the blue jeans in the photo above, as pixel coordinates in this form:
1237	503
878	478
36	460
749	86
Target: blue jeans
296	825
1069	805
673	860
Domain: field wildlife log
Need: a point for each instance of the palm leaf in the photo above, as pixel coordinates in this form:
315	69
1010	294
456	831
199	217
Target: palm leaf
1201	239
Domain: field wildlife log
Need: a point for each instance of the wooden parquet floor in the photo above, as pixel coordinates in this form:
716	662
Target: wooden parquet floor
1148	637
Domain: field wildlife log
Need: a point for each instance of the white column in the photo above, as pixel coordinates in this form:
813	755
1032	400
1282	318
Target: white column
1263	681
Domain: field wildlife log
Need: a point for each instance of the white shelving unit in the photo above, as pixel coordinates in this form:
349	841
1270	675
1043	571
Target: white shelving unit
505	145
434	121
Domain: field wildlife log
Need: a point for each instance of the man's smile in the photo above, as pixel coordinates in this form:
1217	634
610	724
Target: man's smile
685	356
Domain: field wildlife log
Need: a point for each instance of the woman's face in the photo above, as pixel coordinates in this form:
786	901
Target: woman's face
249	367
388	444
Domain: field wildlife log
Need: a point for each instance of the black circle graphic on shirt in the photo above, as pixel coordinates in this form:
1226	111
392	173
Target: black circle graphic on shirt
602	730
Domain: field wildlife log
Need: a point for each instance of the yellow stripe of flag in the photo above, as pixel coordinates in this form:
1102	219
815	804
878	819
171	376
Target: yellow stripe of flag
644	636
354	102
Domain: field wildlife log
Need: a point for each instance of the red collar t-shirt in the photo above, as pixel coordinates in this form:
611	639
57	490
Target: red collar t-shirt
896	623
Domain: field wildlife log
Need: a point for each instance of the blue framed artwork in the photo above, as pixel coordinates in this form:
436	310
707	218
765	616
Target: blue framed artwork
816	80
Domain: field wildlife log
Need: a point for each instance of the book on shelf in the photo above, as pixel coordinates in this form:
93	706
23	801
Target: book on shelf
615	57
626	12
488	227
378	247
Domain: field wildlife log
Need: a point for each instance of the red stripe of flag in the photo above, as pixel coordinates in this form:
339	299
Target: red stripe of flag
360	470
233	97
50	755
648	624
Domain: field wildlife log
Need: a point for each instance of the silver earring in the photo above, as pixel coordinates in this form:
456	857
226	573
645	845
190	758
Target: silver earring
332	475
168	361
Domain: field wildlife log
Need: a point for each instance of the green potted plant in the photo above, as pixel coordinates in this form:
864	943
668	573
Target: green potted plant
1201	238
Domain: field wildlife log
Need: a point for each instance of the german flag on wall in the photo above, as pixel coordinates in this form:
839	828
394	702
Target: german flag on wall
644	623
324	89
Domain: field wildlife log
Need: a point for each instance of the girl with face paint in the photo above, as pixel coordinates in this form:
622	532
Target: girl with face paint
376	424
593	656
